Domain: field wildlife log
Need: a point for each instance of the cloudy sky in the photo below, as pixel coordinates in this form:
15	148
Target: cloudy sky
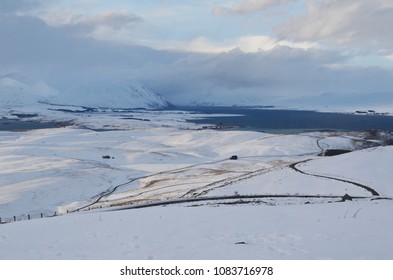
192	50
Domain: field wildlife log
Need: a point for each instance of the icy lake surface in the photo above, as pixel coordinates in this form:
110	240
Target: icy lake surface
258	119
14	125
289	121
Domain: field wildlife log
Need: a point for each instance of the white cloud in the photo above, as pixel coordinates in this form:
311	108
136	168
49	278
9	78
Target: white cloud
184	69
196	45
360	25
250	44
246	44
101	24
89	24
113	19
248	6
280	72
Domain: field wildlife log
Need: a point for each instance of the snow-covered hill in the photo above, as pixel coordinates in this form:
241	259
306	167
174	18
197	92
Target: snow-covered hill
17	91
381	102
336	101
126	94
228	99
61	169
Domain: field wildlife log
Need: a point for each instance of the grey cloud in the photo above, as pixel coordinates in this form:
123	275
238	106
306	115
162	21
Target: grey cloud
114	19
56	54
360	24
248	6
11	6
264	76
63	60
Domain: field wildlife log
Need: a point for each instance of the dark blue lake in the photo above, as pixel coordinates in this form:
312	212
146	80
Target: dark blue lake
19	125
274	120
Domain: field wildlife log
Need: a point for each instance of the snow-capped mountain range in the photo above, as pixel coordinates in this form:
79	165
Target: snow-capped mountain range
126	94
17	91
380	102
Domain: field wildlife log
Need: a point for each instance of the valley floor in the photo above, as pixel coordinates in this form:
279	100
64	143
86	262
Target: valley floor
278	200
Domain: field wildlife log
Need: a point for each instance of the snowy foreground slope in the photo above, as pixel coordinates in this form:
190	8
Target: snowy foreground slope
279	200
349	230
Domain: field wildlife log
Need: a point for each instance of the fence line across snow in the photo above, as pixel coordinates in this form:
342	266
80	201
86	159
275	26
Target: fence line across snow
26	217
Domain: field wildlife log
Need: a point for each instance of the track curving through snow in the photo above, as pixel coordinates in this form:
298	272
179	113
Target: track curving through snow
218	198
111	190
295	168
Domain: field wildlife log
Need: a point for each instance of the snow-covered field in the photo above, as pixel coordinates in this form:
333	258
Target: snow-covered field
111	161
350	230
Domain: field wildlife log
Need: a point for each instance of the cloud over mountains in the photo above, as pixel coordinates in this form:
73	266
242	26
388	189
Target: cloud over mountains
186	52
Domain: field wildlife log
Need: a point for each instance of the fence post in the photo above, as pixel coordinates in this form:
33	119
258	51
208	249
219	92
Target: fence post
42	215
28	216
14	218
0	220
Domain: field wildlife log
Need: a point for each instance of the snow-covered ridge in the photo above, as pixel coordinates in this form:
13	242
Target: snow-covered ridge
66	168
19	93
342	102
348	102
122	94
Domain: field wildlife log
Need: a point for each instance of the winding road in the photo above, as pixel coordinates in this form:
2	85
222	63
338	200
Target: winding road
219	183
216	198
367	188
111	190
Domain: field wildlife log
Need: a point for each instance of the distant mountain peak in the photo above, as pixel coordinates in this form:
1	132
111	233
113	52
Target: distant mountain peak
124	94
16	91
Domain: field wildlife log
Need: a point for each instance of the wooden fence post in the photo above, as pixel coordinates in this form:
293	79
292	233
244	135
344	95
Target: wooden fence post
42	215
28	216
14	218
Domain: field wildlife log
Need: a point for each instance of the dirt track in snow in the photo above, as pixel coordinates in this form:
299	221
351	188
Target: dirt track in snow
367	188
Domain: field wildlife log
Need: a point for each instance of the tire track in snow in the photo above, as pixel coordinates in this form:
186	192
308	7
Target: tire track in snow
217	198
111	190
367	188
